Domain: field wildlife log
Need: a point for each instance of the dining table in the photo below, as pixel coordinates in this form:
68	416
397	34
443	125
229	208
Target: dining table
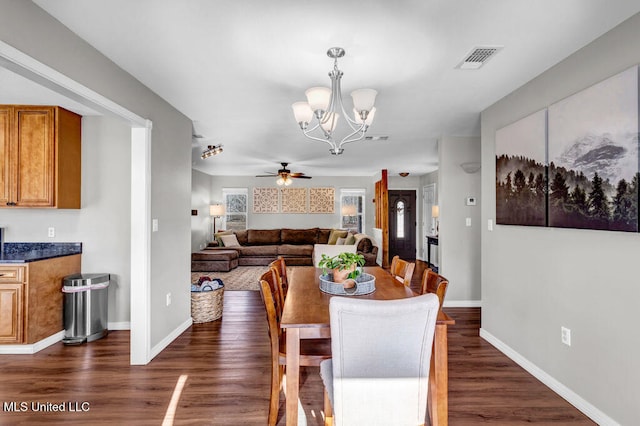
306	316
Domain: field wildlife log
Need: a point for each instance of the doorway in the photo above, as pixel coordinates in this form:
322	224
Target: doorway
402	223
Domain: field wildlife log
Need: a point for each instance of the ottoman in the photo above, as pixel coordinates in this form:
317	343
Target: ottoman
214	260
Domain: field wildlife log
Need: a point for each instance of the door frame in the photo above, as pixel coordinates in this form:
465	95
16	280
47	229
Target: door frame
426	214
28	67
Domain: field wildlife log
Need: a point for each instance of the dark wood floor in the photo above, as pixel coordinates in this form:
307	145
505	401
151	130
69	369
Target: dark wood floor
226	366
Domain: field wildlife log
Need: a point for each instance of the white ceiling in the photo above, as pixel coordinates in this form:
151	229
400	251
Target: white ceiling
235	68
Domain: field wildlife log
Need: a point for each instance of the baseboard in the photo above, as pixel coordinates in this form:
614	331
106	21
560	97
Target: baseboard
462	304
31	348
170	338
125	325
573	398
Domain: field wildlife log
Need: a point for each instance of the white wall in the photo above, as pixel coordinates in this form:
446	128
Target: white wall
29	29
102	225
459	244
535	280
201	229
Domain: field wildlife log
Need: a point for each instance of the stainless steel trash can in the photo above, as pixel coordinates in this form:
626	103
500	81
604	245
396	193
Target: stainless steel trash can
85	307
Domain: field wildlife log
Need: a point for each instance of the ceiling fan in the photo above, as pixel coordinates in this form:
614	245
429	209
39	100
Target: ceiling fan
284	175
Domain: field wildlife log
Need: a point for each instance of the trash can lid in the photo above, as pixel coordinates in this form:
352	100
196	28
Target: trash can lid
78	280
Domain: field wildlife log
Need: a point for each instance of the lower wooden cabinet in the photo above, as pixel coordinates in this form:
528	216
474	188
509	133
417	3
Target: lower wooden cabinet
11	316
31	299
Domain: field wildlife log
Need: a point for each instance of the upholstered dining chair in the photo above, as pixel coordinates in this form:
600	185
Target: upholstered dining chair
312	351
379	373
432	282
402	270
281	266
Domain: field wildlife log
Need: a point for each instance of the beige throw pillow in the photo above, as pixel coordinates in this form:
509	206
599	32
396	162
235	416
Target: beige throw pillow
229	240
335	234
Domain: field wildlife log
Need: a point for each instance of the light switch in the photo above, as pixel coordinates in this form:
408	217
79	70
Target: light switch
468	221
490	225
154	225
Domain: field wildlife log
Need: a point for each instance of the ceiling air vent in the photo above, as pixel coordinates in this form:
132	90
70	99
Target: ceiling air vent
478	57
376	138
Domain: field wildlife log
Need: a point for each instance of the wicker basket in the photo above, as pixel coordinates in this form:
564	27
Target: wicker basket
206	305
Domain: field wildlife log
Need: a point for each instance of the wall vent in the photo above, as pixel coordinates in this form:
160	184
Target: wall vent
478	57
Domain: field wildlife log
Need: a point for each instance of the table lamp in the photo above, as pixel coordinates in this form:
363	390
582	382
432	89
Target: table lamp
216	211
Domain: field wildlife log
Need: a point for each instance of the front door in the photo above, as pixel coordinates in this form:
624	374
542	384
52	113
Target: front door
402	223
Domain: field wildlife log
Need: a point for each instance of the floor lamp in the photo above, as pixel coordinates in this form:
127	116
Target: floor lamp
216	211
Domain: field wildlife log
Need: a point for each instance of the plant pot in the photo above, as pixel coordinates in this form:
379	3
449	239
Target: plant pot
340	276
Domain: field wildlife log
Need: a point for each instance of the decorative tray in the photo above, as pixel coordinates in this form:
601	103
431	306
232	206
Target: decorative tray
364	284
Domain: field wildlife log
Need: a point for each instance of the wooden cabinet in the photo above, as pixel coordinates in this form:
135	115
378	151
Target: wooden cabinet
40	157
11	303
31	299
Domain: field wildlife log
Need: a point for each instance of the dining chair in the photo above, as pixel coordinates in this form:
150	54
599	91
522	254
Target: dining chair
281	266
402	270
272	277
432	282
379	372
312	351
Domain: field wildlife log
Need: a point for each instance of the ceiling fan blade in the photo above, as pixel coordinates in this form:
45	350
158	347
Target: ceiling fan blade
300	177
296	174
273	175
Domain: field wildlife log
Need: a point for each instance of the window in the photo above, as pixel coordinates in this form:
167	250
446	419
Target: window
400	219
235	203
352	209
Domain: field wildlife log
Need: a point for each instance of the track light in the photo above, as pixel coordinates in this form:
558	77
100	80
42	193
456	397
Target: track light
211	150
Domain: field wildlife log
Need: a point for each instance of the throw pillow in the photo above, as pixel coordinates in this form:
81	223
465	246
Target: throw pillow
350	240
335	234
341	241
229	241
219	234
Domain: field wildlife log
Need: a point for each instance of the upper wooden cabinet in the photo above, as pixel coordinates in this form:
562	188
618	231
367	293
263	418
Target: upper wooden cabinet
40	157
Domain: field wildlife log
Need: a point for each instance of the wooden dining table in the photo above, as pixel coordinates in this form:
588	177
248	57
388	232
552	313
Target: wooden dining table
306	316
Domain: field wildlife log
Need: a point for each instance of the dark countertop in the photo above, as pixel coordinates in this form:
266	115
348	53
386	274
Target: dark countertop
31	252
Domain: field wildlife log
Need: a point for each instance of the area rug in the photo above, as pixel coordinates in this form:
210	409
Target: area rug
241	278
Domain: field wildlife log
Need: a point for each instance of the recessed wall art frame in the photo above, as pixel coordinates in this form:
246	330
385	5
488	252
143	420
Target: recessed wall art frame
265	200
521	175
593	156
321	200
294	200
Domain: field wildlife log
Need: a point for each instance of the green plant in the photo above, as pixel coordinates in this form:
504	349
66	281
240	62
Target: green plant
342	262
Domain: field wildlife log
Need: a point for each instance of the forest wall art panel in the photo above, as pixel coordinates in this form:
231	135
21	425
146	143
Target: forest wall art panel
521	172
593	156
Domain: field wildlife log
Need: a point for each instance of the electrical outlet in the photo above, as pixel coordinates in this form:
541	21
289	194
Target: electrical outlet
168	299
154	225
565	335
490	225
51	232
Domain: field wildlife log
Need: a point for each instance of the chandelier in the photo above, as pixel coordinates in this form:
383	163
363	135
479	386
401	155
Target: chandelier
210	151
326	106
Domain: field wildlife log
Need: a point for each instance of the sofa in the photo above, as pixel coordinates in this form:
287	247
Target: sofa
263	246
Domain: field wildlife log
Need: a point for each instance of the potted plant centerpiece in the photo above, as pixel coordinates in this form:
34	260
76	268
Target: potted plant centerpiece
344	267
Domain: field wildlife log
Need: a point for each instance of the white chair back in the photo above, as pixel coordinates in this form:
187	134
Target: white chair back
381	354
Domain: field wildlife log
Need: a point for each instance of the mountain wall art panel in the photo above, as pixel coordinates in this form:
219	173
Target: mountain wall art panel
521	173
593	156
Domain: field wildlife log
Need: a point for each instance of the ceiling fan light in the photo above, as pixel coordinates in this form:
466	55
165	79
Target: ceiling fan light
318	98
288	181
280	181
364	99
302	112
330	121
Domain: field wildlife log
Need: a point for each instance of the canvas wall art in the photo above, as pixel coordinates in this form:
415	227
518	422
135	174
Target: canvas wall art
521	176
294	200
265	200
321	200
593	156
